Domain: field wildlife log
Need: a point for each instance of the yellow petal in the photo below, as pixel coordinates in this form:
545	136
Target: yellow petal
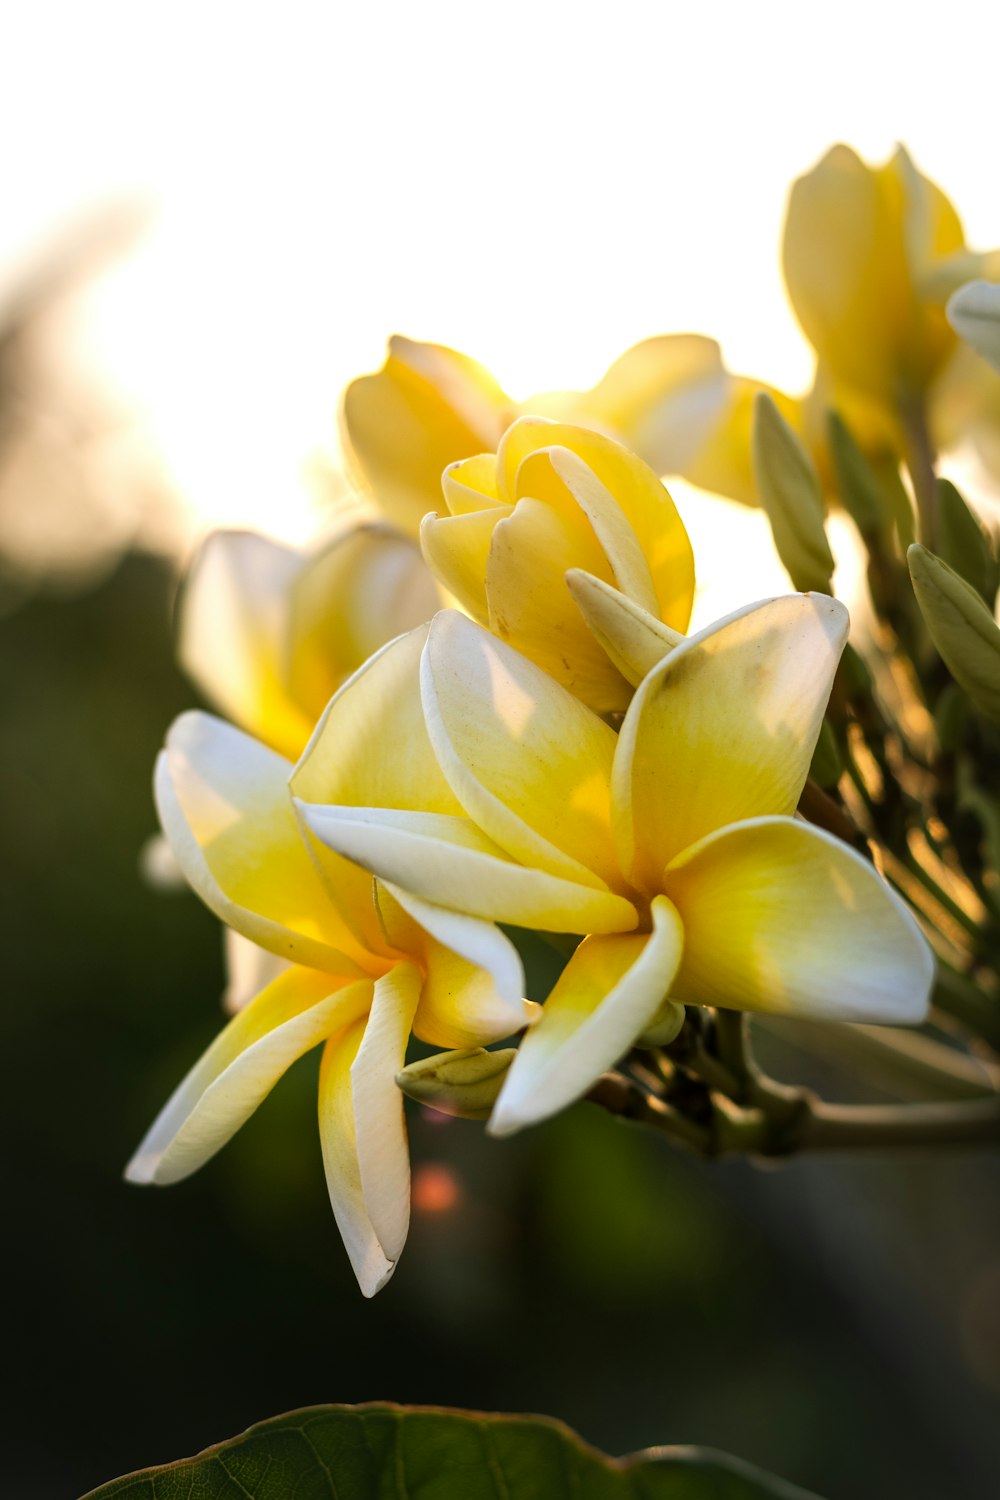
471	484
427	407
722	463
364	588
528	762
647	507
447	861
724	728
232	627
356	756
380	1129
782	917
225	807
294	1013
531	608
634	640
608	993
474	979
457	550
338	1139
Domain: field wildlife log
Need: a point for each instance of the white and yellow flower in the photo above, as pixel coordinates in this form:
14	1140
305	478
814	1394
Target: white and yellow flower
556	498
673	848
356	966
269	632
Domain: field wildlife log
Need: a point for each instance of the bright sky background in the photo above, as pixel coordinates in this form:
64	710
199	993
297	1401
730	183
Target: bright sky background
539	184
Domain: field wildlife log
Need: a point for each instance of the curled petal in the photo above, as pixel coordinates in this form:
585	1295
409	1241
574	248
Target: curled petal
448	862
295	1013
782	917
224	805
634	640
724	728
380	1128
604	999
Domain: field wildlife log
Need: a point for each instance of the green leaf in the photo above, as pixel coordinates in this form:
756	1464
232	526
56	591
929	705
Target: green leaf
386	1452
789	491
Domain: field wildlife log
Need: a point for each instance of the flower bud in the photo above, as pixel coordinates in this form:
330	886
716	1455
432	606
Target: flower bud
962	541
961	627
790	493
974	313
465	1084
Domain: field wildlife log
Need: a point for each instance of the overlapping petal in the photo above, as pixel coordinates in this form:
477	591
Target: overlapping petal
296	1012
608	993
635	640
781	917
724	728
224	805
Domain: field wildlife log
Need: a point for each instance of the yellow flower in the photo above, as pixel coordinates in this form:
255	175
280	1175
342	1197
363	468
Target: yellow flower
672	847
354	965
269	632
557	498
870	255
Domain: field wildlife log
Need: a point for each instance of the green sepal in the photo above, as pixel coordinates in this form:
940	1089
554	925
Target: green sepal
961	627
827	765
962	542
464	1083
789	491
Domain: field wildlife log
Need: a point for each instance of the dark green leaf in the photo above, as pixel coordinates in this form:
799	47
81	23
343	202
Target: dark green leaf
385	1452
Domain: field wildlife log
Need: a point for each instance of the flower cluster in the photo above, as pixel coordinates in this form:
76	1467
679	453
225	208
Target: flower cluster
403	784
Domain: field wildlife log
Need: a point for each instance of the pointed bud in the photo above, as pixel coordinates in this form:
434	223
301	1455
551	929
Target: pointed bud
857	482
635	640
961	627
789	491
963	543
465	1084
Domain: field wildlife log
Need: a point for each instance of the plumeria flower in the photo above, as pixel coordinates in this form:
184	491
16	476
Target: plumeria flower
673	847
356	967
556	498
268	632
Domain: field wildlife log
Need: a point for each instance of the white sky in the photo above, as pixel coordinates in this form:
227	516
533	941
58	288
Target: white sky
538	184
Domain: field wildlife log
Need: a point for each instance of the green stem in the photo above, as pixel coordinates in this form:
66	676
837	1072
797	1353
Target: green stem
834	1127
919	458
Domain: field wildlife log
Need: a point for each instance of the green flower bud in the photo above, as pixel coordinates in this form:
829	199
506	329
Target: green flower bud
961	627
857	482
789	491
664	1026
465	1084
827	766
963	543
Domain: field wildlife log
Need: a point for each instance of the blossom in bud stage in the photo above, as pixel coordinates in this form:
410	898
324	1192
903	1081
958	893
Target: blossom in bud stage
556	498
464	1083
974	313
355	967
961	627
672	848
269	632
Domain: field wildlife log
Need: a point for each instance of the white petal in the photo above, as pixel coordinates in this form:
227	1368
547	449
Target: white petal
240	1068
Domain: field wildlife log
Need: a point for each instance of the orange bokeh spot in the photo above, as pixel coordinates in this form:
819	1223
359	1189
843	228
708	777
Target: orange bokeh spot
436	1189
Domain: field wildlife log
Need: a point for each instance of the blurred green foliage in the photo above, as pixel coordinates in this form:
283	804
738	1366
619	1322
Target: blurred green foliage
835	1322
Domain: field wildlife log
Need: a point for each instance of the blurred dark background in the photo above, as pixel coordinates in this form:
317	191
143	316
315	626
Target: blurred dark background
836	1321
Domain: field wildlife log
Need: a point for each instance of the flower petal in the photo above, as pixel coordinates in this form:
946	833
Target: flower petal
232	625
380	1127
724	728
368	585
635	640
457	550
427	407
338	1139
474	977
240	1068
781	917
224	805
608	993
528	762
646	505
449	862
